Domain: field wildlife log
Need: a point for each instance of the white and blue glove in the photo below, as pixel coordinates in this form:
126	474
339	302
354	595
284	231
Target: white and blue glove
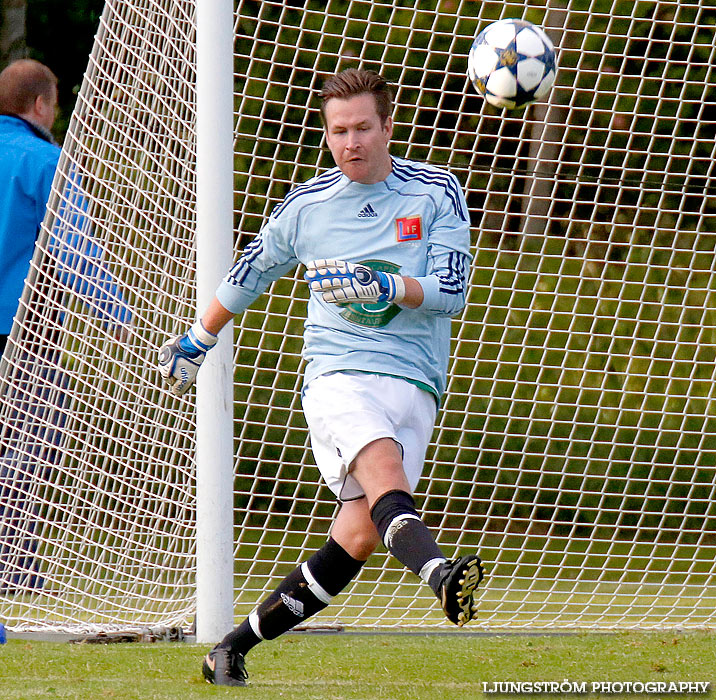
342	282
180	358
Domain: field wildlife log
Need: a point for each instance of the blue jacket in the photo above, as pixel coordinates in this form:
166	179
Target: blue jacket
27	167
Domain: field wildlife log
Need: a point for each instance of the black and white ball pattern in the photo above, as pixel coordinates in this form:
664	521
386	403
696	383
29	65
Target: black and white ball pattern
512	63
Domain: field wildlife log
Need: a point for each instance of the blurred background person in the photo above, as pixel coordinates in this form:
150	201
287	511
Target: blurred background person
28	161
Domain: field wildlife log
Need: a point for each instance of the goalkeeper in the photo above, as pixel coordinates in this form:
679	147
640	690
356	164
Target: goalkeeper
385	242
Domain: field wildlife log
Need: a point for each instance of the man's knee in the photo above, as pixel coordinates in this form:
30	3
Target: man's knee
363	544
360	543
354	529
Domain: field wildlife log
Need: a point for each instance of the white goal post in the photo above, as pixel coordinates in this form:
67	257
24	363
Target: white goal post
214	388
574	448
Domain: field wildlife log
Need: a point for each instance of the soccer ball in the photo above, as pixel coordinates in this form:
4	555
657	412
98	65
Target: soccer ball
512	63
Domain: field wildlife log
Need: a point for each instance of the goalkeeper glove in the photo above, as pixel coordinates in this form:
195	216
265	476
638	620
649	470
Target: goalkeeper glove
180	358
343	282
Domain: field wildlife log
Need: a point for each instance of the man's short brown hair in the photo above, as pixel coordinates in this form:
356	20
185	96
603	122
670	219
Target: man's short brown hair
355	81
22	82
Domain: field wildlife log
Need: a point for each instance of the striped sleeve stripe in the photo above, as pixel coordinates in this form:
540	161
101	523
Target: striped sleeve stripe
322	182
240	271
454	281
432	177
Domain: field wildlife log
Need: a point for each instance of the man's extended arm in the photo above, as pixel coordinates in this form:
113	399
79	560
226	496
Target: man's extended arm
264	260
180	358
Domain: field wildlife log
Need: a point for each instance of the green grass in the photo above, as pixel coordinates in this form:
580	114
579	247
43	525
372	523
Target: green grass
356	666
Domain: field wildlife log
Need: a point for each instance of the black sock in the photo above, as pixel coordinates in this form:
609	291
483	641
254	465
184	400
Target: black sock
241	640
404	534
304	592
333	567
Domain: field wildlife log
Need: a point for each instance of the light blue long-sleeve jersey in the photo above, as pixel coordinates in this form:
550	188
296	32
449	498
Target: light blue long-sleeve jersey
414	223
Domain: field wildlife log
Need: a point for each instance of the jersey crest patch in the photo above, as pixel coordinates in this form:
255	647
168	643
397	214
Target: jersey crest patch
408	228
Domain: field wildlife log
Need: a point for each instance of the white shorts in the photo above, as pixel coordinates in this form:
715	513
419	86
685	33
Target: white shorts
346	411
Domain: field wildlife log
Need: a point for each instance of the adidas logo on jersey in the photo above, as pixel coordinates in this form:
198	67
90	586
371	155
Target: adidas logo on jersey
295	606
367	212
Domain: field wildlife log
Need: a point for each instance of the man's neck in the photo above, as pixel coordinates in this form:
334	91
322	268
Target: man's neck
37	129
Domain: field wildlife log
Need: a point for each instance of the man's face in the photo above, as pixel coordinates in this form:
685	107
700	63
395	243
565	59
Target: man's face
357	139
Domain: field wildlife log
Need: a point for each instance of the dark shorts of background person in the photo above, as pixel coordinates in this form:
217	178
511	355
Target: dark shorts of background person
25	459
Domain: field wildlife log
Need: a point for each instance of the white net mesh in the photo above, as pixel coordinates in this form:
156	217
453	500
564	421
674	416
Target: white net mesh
573	448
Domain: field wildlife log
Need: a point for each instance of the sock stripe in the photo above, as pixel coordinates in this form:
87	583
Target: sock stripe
254	622
429	567
395	525
314	586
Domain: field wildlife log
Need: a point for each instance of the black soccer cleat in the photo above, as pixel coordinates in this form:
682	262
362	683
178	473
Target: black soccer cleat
458	580
222	667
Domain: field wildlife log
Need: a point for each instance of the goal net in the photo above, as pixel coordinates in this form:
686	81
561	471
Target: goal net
574	448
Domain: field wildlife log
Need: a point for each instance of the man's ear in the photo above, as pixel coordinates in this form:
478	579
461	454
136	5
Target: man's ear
388	128
40	108
44	111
